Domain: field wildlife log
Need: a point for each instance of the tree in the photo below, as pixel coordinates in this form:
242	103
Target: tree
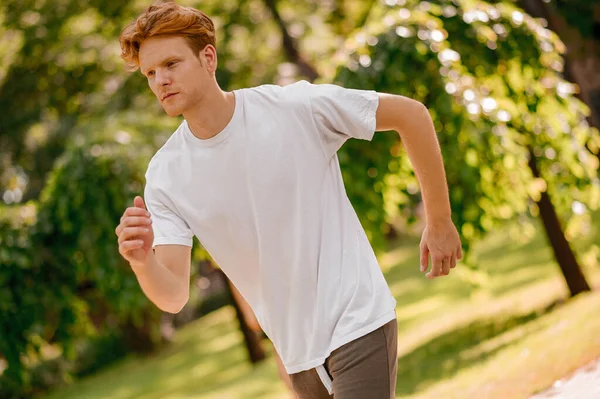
513	136
63	280
490	75
247	322
68	97
577	22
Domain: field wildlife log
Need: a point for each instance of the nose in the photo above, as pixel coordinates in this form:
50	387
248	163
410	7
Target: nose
162	78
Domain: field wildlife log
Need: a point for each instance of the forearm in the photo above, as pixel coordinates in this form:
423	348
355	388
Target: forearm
419	138
165	289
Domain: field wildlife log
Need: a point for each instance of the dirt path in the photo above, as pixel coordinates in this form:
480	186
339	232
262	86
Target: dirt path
583	384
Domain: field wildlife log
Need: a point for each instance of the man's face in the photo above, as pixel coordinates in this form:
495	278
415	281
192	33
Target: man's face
175	74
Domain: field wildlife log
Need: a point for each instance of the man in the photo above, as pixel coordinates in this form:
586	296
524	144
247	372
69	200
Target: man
254	175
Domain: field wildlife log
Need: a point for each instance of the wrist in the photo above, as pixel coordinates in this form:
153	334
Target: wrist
438	218
143	266
436	205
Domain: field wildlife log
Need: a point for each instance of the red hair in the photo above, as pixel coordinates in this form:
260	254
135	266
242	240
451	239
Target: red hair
166	19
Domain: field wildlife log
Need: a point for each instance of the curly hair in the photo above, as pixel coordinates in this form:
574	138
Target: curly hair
166	19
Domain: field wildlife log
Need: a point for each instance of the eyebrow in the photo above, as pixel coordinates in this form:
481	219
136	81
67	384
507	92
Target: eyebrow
163	62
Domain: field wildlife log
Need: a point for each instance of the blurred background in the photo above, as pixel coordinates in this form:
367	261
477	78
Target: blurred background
514	91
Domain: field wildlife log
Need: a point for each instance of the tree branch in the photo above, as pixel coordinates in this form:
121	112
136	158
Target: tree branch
290	45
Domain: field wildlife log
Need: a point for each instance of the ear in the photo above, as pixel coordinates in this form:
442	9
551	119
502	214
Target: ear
209	53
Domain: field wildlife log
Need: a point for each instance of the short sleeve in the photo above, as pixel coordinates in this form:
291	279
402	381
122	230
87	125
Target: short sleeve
169	227
341	113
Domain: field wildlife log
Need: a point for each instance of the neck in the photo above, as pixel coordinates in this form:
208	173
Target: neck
210	116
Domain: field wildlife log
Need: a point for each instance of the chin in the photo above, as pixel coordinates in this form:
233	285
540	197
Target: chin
172	111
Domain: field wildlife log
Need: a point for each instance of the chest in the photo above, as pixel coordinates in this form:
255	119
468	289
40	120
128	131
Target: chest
260	171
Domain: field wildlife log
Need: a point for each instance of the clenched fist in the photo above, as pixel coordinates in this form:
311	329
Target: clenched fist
135	233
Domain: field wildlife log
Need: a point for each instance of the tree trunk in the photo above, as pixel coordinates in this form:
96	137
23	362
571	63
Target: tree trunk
562	251
582	58
289	44
144	338
253	324
251	338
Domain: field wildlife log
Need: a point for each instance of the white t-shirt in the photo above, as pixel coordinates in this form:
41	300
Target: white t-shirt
266	199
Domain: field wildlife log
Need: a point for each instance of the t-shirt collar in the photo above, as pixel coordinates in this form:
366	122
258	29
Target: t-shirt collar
223	134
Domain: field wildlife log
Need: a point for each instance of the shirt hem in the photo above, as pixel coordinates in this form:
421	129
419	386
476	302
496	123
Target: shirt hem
380	321
371	115
172	241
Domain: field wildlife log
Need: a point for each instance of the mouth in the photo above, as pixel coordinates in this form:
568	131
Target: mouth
166	96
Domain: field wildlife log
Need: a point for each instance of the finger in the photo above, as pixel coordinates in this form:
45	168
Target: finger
453	262
130	232
446	266
459	253
424	258
127	246
132	221
133	211
138	202
436	268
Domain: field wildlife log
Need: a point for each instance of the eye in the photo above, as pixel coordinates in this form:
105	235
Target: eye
150	73
171	63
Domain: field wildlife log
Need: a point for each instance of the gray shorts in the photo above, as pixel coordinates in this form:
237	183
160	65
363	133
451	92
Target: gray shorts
362	369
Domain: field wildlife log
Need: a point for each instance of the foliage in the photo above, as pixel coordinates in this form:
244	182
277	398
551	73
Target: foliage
61	70
490	76
67	280
19	297
80	208
60	66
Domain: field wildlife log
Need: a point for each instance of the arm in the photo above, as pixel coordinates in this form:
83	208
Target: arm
163	274
412	121
165	277
341	114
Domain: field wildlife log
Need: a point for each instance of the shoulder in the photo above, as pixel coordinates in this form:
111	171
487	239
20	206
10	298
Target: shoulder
292	93
168	153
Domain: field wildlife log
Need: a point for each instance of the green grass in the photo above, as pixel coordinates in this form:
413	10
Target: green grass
207	360
504	339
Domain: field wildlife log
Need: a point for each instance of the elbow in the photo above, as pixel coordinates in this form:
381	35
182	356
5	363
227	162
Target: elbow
419	117
174	307
420	109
